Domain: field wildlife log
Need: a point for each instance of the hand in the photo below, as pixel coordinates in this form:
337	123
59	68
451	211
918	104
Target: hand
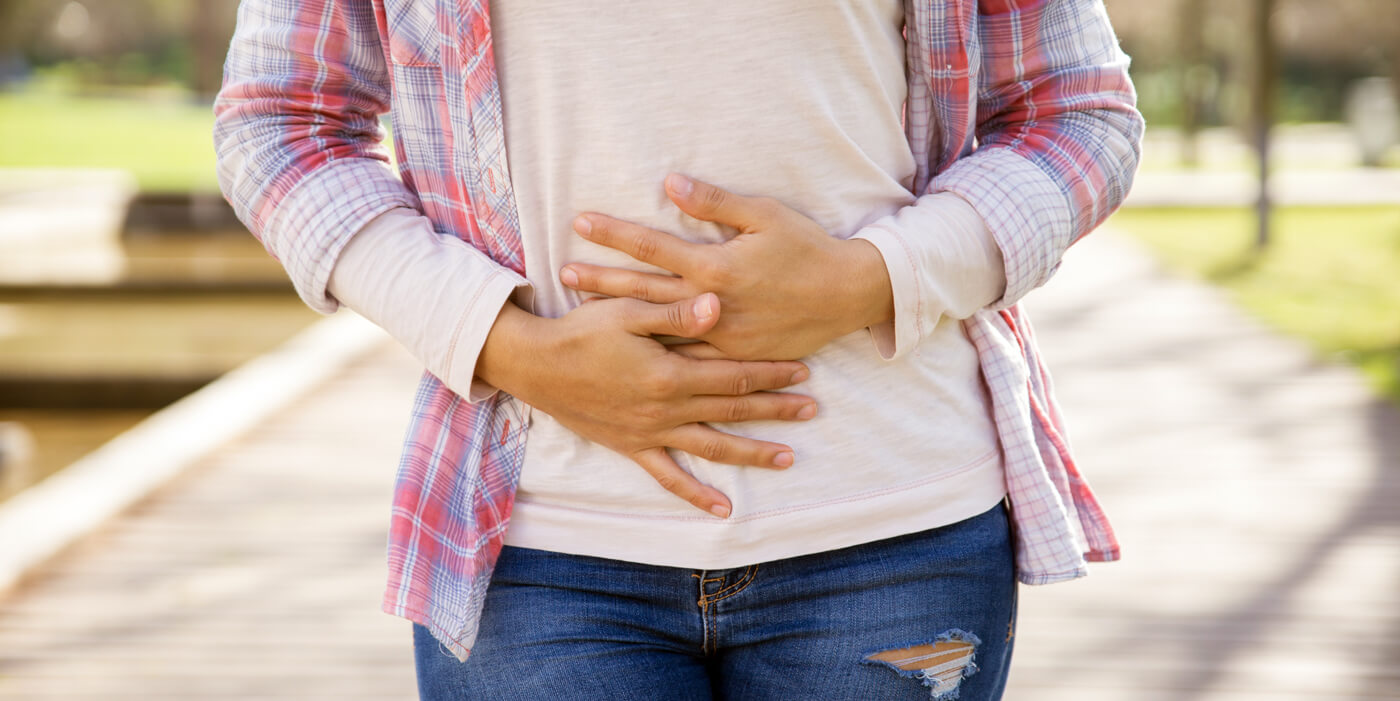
787	287
599	373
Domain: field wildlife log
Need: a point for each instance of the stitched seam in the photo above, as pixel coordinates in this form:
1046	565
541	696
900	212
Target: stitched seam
742	581
918	298
713	637
704	612
742	584
912	264
462	322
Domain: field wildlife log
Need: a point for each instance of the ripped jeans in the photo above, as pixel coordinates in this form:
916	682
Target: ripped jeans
920	616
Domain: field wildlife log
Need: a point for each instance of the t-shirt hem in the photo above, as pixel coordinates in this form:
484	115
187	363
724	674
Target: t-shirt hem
711	543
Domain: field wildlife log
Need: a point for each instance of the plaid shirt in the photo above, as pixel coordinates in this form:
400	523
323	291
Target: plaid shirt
1022	107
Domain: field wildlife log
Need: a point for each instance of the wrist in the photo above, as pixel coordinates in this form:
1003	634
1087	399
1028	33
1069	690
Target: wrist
511	347
869	294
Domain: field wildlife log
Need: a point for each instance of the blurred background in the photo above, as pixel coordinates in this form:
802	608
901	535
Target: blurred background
1269	198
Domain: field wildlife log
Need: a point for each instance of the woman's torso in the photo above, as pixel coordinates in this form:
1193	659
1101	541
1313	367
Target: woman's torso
795	99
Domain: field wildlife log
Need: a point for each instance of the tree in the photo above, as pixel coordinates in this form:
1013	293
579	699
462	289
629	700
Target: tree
1264	78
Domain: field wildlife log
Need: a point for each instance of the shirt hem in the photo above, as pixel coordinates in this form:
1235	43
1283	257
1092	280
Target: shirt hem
710	543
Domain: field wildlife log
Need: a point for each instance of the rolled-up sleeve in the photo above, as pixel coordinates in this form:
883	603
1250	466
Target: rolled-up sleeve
1058	132
942	263
297	132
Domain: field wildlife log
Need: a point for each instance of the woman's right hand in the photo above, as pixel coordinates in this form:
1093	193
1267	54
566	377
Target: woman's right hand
598	371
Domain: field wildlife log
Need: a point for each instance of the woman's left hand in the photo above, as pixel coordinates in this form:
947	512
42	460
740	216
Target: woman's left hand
786	286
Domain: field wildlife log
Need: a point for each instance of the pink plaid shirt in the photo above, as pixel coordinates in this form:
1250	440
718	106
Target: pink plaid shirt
1022	107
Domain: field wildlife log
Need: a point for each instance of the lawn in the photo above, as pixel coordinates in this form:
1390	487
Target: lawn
166	144
1331	274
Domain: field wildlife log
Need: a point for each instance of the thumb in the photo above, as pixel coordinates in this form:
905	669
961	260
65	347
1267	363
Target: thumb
688	318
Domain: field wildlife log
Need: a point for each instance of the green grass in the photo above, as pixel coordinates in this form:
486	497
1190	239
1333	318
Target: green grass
1331	275
166	144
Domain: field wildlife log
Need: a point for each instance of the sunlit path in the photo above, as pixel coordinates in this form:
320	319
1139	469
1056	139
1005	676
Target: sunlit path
256	575
1253	487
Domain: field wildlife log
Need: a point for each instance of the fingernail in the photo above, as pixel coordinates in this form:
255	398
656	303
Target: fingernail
583	226
704	308
807	412
568	277
680	184
800	376
720	510
783	459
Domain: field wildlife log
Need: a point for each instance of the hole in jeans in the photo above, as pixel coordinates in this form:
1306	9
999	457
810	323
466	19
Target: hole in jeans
940	664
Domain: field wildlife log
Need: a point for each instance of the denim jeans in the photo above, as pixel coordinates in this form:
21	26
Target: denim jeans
920	616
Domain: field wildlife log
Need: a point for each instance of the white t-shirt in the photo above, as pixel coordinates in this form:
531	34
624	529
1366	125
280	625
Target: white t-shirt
792	99
796	100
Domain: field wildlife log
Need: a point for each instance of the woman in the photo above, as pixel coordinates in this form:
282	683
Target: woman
843	200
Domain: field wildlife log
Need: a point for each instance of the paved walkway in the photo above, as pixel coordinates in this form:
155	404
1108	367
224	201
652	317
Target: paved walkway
1254	489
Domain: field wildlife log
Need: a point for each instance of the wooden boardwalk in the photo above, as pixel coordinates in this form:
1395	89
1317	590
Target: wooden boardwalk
256	575
1257	492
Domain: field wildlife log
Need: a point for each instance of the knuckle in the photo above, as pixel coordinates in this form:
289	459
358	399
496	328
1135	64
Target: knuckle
713	198
716	271
676	317
644	247
712	449
659	384
640	289
743	383
651	416
629	310
620	312
739	410
668	482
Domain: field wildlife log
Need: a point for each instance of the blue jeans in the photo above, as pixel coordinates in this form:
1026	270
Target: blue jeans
925	615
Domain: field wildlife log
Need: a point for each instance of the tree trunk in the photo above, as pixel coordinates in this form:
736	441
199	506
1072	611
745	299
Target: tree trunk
1262	114
1191	35
207	50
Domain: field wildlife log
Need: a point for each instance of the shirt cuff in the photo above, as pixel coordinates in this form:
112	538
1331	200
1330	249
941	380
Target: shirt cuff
434	293
942	261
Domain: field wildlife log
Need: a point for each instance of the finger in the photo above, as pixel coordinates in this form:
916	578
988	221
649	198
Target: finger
663	468
645	244
687	318
759	406
716	446
710	203
735	377
698	351
619	282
